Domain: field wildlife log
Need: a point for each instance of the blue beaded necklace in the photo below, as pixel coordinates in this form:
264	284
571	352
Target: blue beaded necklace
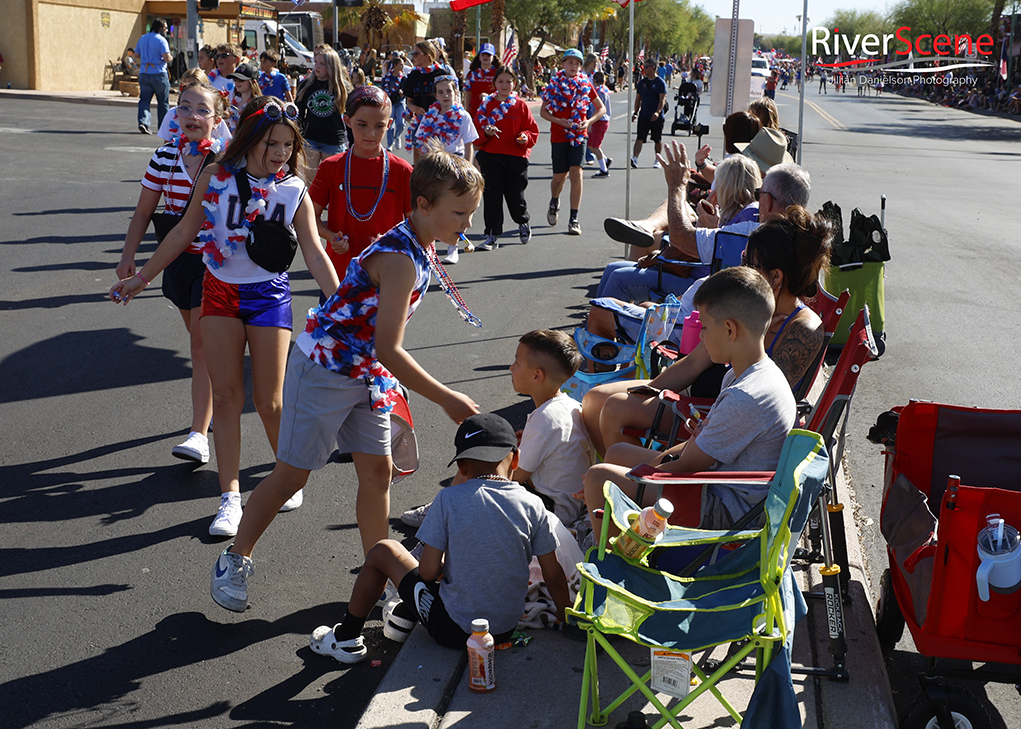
347	187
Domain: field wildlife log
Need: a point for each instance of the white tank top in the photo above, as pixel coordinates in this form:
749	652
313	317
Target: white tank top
281	204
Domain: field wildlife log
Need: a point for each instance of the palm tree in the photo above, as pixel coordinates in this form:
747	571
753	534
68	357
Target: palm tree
496	26
379	22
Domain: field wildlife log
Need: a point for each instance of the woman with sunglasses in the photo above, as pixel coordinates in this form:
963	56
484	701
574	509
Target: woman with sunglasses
419	89
243	304
321	99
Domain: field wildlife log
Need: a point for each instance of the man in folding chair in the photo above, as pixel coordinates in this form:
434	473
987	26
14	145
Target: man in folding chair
747	425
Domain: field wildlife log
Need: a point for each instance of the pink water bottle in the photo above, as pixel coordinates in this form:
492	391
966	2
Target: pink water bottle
691	333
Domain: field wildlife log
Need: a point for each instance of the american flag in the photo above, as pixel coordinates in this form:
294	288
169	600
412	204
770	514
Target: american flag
641	56
605	53
510	51
624	3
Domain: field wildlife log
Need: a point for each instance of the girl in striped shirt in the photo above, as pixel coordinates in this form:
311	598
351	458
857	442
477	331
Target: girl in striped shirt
171	174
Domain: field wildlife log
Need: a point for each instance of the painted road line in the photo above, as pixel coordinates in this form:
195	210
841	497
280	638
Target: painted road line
828	117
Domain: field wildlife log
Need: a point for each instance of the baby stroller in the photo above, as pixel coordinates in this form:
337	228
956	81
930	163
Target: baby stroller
686	110
952	580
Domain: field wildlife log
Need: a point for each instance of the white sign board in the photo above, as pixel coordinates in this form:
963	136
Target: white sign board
721	66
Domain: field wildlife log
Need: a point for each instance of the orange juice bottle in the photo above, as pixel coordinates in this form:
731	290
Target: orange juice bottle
649	524
481	652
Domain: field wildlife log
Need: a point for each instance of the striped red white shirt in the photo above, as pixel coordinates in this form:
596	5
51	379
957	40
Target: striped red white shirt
166	174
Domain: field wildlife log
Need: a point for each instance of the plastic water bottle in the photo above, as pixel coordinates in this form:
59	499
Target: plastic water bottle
650	524
481	652
691	332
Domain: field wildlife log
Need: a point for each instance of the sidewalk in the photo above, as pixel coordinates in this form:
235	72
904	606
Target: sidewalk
539	685
103	98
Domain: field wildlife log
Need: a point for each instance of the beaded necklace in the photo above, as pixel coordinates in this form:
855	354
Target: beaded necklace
566	93
215	254
453	295
499	112
347	187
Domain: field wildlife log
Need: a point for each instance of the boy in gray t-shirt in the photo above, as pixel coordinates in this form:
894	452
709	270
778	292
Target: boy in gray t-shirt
747	425
479	537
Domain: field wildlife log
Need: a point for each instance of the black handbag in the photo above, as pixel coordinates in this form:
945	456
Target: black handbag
164	222
271	244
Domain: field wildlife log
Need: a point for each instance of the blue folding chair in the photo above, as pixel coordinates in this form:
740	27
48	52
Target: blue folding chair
738	598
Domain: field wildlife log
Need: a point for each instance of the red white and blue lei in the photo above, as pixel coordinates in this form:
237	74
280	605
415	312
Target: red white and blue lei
444	125
215	253
566	93
498	112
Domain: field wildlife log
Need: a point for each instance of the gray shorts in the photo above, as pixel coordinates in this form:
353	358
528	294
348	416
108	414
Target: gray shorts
323	410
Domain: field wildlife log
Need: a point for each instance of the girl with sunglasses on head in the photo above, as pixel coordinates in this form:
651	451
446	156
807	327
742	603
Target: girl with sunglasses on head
244	304
321	100
172	174
359	213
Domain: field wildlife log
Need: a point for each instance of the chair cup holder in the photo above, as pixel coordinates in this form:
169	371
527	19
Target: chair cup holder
631	546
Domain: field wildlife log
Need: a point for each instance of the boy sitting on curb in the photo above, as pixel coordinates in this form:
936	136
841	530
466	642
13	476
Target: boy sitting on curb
479	537
555	448
747	425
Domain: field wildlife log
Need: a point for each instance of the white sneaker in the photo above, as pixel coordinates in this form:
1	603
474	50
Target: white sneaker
451	258
634	162
195	448
389	593
415	517
294	502
656	165
228	516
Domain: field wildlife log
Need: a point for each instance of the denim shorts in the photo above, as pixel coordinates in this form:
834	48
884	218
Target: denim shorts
326	150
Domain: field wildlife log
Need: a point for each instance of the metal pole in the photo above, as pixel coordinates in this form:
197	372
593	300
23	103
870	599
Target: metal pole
732	70
630	105
192	47
478	28
336	23
801	100
1010	48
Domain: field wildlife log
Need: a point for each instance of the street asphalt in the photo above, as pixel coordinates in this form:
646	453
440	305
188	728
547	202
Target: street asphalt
105	554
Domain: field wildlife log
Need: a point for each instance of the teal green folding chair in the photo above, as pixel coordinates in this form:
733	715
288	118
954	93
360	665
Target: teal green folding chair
738	598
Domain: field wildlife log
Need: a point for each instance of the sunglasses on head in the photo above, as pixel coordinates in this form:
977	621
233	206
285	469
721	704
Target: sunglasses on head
275	113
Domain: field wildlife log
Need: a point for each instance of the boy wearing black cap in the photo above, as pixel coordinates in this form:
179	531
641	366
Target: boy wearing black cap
479	537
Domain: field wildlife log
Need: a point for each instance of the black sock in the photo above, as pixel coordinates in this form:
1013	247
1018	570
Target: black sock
554	203
350	627
574	213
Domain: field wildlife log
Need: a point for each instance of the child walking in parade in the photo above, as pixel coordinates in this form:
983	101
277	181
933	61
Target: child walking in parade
565	105
345	368
391	84
246	88
244	303
449	123
481	77
321	100
170	129
172	174
271	81
508	133
599	127
366	190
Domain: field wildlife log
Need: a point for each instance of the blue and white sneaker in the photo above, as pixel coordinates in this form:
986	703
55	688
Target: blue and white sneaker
229	582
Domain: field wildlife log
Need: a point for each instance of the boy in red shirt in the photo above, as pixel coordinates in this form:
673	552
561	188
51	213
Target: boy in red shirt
565	105
366	190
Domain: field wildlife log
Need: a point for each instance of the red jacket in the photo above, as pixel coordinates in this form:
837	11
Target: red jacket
517	120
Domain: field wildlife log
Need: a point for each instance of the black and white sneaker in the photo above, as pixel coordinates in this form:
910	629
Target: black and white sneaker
553	214
489	244
525	233
573	228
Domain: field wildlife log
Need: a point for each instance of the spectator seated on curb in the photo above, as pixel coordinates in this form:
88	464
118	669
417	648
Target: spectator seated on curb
479	538
747	425
790	250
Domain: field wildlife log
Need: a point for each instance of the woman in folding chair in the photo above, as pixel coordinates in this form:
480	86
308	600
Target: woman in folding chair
790	251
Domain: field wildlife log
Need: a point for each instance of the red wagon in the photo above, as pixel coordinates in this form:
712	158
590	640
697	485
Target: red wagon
947	469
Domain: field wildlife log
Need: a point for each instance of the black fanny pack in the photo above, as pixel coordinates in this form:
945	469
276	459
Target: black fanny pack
271	244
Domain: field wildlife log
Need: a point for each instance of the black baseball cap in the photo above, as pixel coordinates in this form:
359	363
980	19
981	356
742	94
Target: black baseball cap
484	437
244	72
